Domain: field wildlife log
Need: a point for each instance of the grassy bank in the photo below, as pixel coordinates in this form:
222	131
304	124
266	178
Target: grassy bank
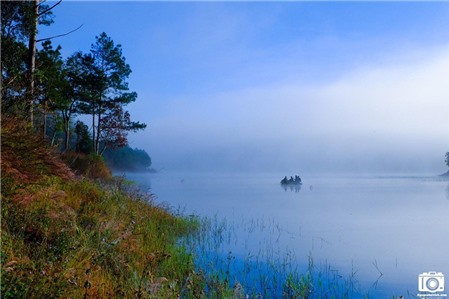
67	236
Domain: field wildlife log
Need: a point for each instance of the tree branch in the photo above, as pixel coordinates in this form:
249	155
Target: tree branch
52	37
48	9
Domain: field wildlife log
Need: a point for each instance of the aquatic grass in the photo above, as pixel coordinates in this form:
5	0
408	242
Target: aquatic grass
268	271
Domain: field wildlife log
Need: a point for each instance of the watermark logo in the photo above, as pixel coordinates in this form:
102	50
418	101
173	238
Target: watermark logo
431	284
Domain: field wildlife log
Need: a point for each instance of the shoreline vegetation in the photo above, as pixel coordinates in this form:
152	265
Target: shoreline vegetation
128	159
84	235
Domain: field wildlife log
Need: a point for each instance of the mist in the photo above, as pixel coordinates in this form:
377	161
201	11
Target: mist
373	119
292	87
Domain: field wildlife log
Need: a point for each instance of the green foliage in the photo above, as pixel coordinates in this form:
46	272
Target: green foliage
54	90
75	238
13	67
83	141
88	165
17	24
127	158
103	73
50	74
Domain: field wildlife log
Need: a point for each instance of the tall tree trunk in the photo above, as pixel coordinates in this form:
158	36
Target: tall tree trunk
102	151
32	63
44	116
97	142
67	134
93	126
53	138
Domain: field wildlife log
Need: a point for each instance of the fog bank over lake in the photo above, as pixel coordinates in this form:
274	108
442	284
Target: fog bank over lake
388	118
323	87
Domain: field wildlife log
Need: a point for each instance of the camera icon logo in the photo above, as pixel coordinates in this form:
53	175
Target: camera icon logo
431	282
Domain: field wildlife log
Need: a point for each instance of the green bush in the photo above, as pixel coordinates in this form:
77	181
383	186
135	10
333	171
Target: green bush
89	165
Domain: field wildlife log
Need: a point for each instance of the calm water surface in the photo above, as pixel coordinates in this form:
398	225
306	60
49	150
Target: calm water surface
387	230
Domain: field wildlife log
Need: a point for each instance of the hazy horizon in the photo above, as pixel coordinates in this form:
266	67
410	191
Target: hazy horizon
336	87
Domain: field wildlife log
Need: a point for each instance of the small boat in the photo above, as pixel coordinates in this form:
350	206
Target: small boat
291	181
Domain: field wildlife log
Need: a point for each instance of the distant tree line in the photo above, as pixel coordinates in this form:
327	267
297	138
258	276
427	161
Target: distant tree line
50	91
127	158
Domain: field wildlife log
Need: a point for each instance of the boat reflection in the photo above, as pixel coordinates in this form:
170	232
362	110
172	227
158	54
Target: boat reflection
292	188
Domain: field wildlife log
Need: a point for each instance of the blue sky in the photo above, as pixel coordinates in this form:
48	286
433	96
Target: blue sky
252	86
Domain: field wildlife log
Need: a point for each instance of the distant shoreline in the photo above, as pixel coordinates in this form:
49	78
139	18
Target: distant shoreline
134	170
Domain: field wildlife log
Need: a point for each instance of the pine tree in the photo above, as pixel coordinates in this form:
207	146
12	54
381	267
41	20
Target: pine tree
111	93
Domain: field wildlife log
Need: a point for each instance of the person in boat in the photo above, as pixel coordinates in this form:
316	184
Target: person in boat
291	180
284	180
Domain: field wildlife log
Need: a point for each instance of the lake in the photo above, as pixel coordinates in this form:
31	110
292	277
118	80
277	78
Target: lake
384	231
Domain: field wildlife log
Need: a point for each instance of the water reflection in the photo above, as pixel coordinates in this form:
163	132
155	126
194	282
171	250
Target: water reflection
292	188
